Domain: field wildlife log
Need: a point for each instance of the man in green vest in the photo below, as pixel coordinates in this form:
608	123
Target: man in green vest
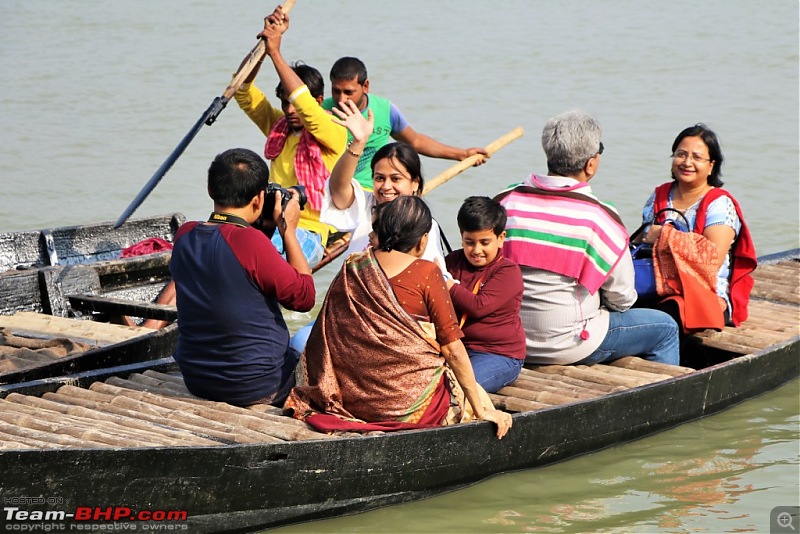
349	82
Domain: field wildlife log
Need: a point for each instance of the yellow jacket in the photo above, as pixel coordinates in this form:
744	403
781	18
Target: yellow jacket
331	137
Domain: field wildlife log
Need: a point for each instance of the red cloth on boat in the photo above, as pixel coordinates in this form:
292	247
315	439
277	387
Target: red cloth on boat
743	261
368	360
684	266
148	246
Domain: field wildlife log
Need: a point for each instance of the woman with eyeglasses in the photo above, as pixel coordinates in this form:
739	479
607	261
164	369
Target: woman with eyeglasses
703	270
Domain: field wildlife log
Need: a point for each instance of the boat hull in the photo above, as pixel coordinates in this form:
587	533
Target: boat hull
243	488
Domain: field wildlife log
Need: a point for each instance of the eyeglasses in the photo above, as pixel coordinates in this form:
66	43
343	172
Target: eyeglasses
681	156
599	151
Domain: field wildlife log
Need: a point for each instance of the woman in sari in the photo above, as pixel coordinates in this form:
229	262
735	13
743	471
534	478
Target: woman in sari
385	352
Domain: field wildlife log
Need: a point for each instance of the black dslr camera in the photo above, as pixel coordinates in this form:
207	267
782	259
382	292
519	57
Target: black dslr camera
286	195
265	222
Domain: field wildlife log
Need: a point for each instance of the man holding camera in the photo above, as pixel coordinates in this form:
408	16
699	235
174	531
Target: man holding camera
230	281
303	143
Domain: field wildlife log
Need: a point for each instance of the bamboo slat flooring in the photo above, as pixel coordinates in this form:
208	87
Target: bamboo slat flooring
773	312
155	409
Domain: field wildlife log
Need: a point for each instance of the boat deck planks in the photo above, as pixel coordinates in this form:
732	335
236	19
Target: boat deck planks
154	409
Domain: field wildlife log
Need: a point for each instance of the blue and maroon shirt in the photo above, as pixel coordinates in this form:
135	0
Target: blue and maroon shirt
230	283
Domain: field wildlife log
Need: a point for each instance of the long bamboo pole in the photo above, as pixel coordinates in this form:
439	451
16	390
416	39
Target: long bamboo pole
466	163
208	117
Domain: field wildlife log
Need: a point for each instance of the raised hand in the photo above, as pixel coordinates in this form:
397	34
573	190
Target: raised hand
351	118
277	21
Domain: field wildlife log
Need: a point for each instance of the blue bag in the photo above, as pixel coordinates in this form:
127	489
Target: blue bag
645	279
642	255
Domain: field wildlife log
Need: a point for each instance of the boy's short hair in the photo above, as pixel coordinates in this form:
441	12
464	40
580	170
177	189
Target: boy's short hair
481	213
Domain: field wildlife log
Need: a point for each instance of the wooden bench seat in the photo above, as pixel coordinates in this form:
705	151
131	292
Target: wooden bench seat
114	306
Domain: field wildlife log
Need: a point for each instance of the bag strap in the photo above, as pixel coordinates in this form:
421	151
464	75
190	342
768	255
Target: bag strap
679	212
644	225
640	247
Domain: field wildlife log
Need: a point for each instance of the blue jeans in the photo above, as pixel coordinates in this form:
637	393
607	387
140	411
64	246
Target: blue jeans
649	334
493	371
299	340
310	242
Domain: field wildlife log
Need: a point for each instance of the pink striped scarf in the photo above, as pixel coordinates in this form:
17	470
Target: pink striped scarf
565	230
308	164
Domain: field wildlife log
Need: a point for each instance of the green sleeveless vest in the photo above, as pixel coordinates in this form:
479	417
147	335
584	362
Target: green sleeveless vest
381	135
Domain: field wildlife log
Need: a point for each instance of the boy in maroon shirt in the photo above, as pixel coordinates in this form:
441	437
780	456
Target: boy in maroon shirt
487	294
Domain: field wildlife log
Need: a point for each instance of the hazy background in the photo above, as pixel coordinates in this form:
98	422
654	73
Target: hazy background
95	95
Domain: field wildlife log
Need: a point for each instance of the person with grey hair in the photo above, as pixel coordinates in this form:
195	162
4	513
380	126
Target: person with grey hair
573	251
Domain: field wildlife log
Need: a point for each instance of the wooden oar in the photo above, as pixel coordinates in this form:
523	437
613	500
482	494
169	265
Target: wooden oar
208	117
466	163
435	182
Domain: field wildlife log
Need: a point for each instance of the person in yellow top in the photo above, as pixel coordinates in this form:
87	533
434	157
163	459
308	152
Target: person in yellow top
303	143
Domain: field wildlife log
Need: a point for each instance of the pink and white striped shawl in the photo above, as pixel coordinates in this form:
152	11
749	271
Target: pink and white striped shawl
565	230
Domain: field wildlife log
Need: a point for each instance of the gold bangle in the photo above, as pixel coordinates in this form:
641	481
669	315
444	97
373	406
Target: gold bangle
350	151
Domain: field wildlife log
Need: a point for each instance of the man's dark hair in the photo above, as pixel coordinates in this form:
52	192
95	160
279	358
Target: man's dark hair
236	176
347	68
310	76
402	223
481	213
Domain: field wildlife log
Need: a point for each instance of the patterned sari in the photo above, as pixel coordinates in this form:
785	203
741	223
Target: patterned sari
684	268
368	364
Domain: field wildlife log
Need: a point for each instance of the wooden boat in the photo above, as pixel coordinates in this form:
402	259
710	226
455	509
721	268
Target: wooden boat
59	286
120	445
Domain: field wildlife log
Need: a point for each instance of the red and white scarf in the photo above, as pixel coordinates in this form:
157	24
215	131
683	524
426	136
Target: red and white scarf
308	164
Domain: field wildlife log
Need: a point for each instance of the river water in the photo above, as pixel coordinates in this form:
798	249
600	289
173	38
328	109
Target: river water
95	95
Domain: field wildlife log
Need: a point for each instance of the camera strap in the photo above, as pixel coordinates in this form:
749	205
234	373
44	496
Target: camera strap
227	218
